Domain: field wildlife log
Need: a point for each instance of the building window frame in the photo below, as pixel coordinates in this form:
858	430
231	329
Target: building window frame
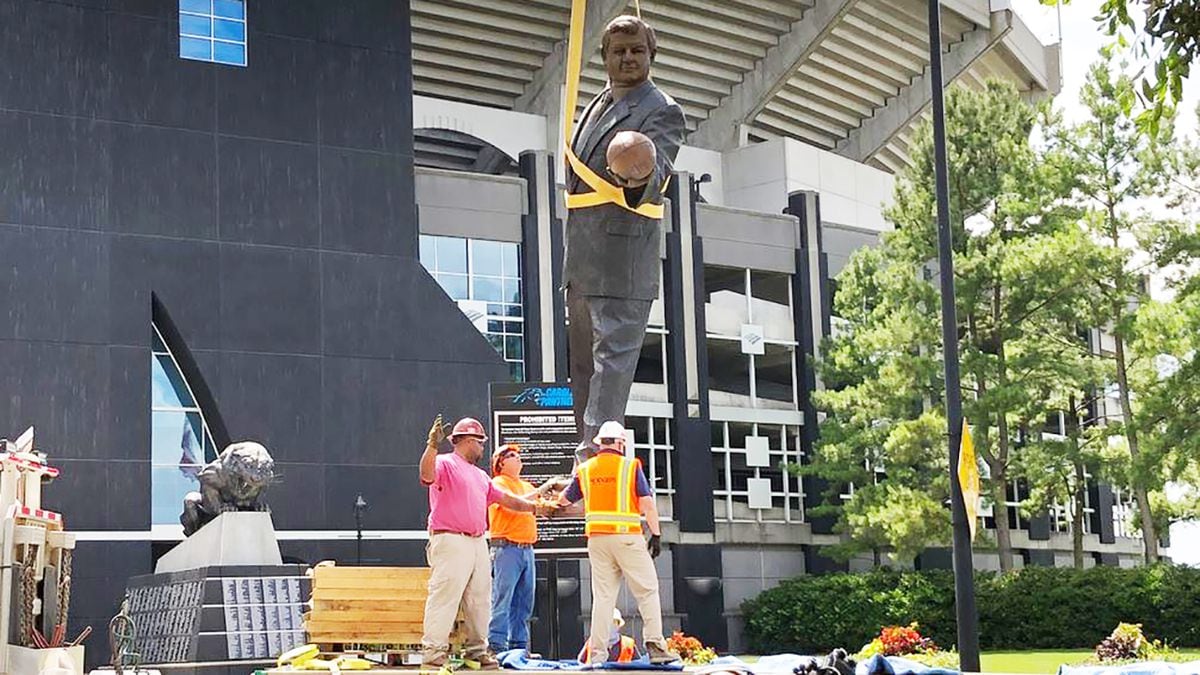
161	357
792	345
501	322
214	31
789	452
647	448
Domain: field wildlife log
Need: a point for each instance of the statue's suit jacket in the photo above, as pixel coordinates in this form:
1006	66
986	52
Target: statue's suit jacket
612	251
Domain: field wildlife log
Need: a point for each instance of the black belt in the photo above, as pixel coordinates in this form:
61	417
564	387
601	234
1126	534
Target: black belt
499	542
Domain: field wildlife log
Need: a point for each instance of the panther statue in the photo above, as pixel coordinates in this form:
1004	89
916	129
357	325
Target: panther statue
234	481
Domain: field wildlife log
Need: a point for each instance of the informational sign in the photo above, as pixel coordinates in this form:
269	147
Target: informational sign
752	339
539	418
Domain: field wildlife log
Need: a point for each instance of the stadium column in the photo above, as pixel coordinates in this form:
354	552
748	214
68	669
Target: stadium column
696	559
541	271
811	312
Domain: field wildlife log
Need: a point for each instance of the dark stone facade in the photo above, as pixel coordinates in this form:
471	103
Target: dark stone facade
269	211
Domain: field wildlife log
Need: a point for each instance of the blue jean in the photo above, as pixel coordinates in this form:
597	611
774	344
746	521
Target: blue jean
512	598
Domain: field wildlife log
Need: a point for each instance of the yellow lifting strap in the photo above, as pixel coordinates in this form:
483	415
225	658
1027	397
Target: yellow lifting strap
603	192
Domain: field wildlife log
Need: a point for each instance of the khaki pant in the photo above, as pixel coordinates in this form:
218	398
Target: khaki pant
613	556
461	573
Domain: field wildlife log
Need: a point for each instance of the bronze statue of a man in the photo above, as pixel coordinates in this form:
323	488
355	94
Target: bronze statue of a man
613	257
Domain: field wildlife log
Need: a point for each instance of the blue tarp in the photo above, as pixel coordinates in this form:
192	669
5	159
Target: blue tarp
1143	668
518	659
895	665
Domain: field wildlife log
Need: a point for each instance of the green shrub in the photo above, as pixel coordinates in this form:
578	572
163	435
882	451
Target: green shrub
1038	607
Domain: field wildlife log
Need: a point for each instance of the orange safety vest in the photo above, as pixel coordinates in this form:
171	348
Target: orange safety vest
609	485
628	650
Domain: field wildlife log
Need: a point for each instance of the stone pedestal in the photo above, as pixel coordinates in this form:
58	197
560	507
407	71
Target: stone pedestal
226	613
222	595
236	538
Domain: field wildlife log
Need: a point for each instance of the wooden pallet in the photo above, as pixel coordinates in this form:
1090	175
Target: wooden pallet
367	606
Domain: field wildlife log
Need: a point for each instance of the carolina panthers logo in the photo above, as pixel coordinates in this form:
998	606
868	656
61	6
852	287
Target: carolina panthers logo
545	397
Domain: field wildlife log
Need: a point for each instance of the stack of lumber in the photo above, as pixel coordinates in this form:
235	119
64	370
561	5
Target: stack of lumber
367	605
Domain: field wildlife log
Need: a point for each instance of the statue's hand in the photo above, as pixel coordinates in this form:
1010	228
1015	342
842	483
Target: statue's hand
437	432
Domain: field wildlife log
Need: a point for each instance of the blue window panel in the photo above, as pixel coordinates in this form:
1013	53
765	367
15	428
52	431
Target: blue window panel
486	258
224	29
229	9
195	48
455	285
451	254
230	53
167	389
200	26
510	252
428	258
176	438
198	6
488	289
512	290
514	348
169	485
517	370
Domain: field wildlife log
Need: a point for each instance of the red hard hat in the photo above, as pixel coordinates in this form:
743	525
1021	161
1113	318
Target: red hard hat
468	426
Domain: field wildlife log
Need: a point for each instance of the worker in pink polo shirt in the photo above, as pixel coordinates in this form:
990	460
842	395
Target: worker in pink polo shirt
461	570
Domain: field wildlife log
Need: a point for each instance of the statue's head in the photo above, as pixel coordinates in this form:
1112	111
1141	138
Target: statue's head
628	47
248	469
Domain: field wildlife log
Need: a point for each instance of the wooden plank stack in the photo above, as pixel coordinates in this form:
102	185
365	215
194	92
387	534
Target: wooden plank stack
367	606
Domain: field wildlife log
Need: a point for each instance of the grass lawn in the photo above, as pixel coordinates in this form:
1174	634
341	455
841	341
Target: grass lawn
1042	663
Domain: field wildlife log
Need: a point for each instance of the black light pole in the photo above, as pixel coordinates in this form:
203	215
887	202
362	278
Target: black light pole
360	504
964	581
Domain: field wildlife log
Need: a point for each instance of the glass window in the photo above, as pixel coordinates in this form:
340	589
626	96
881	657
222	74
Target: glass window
213	30
490	289
451	254
489	272
455	285
200	26
180	441
225	52
487	257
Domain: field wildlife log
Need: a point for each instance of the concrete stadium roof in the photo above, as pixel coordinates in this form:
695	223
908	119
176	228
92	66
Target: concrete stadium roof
849	76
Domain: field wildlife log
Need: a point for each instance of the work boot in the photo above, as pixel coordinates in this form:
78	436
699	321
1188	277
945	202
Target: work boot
660	654
487	660
433	659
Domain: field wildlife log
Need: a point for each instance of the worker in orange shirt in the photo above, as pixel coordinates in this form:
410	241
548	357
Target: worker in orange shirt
513	534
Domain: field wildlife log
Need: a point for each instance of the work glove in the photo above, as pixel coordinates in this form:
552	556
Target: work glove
654	546
437	432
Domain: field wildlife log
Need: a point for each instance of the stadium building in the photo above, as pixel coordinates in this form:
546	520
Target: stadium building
271	219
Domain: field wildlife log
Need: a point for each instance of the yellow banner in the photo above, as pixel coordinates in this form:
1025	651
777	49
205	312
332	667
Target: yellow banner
968	477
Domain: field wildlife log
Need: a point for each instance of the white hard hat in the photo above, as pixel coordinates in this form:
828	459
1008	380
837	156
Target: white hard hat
617	618
610	429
